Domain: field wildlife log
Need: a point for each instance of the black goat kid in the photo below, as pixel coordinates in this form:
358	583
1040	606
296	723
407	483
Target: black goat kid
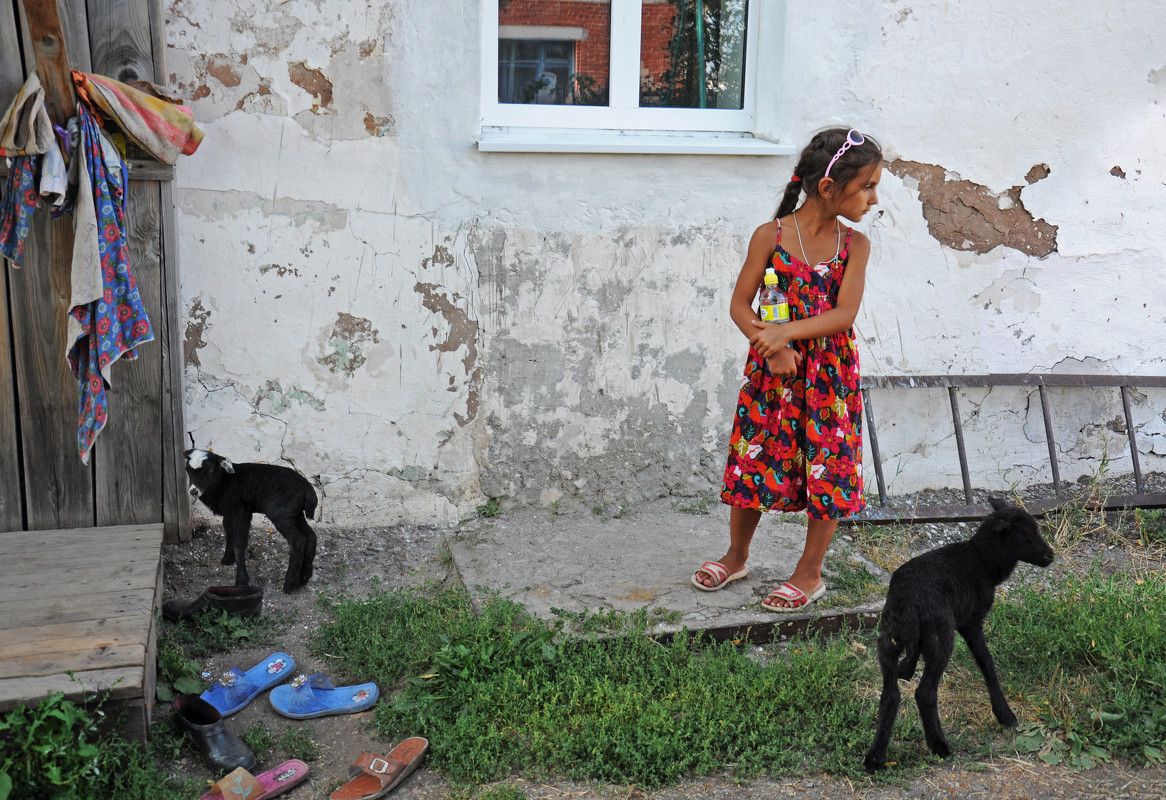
236	491
933	596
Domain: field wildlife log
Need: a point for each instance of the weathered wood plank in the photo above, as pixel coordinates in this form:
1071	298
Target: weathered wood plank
11	68
55	35
113	657
100	561
71	637
179	524
58	487
122	683
35	612
46	580
11	498
87	550
63	537
120	39
128	455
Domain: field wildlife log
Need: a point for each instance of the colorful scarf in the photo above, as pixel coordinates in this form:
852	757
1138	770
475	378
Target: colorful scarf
114	324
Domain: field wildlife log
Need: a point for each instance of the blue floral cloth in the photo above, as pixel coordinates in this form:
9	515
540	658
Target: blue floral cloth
115	323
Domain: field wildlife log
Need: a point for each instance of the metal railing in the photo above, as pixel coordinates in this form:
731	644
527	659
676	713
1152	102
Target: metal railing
970	509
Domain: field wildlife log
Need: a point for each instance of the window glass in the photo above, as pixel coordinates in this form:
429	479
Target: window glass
554	52
692	53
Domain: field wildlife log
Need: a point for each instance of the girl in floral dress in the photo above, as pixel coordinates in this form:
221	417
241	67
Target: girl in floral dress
796	443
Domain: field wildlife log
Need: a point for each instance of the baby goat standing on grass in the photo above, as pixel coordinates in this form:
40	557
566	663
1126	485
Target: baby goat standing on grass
236	491
936	594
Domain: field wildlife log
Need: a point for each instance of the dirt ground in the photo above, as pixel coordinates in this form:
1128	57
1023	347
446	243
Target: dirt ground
348	560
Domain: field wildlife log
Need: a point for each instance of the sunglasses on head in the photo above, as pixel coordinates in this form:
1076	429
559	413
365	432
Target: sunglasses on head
853	139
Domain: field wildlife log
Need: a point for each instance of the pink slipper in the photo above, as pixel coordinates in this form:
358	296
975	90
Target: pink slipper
721	576
242	783
796	598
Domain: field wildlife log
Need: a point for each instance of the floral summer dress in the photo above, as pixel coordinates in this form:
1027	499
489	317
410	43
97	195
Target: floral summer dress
797	443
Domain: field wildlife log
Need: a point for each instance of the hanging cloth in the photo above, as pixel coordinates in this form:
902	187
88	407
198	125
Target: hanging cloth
111	325
25	134
155	122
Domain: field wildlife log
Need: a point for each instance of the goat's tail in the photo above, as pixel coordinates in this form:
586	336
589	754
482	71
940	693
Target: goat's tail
310	501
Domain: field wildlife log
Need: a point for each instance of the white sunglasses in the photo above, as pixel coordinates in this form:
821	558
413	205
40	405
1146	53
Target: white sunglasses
853	139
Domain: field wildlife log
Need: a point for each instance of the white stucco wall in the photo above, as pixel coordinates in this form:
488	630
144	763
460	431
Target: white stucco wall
418	325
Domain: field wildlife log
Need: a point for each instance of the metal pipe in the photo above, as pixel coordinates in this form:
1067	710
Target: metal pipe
1044	407
959	443
874	446
1125	404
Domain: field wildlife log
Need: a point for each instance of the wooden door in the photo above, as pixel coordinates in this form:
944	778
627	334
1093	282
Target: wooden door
134	475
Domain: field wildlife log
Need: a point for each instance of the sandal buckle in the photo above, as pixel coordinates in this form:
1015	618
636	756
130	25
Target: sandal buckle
382	769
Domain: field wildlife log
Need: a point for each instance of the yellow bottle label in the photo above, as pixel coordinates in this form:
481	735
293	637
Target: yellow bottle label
775	313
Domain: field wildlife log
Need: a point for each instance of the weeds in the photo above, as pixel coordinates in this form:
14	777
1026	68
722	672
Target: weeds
699	506
492	507
56	750
213	632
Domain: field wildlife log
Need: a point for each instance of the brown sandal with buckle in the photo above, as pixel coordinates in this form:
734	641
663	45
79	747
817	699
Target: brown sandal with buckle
375	776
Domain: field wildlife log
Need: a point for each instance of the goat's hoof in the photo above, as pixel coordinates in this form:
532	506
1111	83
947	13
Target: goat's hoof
288	588
872	764
941	750
1008	720
227	560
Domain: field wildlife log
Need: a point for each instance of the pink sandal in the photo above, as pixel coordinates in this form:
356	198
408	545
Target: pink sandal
796	598
242	783
720	575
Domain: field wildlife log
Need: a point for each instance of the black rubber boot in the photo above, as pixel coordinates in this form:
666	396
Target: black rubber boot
242	601
203	723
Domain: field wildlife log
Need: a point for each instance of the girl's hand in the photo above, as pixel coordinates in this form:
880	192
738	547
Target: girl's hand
785	363
768	339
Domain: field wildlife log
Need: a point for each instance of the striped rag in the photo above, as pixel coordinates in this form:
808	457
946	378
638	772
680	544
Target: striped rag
161	127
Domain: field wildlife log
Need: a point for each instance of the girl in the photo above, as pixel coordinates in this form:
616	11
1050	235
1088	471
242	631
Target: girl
797	437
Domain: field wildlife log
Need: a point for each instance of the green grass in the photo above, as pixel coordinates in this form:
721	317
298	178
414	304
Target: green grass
592	697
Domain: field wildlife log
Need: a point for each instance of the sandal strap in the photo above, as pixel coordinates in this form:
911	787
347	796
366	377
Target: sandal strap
238	784
382	768
716	570
791	594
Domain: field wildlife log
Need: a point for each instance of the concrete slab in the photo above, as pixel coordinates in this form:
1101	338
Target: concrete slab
646	557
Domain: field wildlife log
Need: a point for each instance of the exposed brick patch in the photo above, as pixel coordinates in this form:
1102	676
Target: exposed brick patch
967	216
312	81
222	69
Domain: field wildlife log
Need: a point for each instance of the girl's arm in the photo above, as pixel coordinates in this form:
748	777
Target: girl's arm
769	339
761	248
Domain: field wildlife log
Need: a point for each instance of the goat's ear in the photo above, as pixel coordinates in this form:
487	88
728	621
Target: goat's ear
228	466
997	503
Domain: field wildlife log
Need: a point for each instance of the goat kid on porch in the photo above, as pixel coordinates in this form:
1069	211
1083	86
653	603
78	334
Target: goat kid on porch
237	491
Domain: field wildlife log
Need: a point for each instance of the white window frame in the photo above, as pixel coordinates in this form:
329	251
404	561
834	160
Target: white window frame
621	126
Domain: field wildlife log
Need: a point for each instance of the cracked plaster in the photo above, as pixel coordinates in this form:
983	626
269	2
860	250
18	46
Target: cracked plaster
555	327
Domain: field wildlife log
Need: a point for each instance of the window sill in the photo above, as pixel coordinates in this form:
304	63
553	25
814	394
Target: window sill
549	140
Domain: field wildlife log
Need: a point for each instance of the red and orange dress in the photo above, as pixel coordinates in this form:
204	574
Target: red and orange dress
797	443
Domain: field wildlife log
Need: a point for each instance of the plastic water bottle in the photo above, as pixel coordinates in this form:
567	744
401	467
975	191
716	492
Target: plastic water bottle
774	308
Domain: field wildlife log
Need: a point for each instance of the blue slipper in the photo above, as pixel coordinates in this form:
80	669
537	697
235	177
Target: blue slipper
315	696
235	689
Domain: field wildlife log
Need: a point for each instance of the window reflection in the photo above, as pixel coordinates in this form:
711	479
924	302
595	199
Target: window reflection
692	53
554	52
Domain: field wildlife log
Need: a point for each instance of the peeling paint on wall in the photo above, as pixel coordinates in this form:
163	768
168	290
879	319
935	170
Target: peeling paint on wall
463	332
967	216
196	319
281	400
346	353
